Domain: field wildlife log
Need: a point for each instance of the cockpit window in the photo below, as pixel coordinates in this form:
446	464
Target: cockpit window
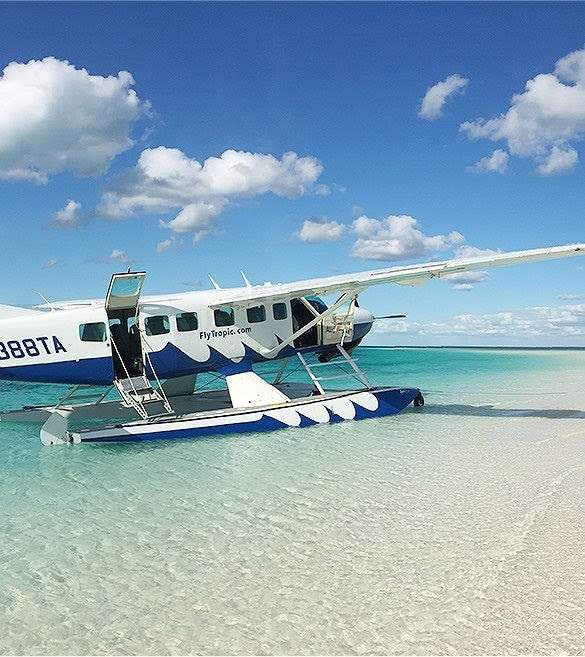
93	332
318	304
256	314
224	316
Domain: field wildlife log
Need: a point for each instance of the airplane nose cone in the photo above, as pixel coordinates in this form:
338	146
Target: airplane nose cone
362	323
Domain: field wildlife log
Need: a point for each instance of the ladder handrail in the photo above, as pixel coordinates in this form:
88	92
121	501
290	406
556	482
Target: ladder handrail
138	406
146	353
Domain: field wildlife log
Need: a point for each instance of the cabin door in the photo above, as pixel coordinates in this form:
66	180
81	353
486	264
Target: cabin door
122	310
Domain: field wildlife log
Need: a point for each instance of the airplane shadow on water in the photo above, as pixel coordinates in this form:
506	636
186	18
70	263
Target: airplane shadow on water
494	411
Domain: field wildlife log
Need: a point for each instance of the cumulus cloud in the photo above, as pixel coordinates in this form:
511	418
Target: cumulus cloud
544	120
197	218
559	160
466	280
497	162
321	230
166	179
55	117
397	237
69	216
537	321
436	96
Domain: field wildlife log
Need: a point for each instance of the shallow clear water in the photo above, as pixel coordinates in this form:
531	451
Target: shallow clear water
456	529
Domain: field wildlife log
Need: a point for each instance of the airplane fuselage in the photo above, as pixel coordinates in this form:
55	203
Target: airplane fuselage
180	335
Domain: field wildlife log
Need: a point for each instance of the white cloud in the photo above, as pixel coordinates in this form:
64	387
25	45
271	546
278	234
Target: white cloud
466	251
165	179
321	230
559	160
50	264
549	114
69	216
391	326
436	96
55	117
164	245
322	190
117	255
497	162
538	321
466	280
197	218
397	237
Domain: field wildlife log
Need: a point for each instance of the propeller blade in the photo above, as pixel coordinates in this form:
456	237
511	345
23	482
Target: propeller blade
391	317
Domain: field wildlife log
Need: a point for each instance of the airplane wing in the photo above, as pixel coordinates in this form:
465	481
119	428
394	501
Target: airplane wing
353	284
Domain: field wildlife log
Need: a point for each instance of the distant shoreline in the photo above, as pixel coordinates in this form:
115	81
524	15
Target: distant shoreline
422	346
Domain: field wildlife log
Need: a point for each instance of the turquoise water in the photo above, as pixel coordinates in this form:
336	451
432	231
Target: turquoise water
455	529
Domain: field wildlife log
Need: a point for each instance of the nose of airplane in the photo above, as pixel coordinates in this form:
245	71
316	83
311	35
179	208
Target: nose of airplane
362	323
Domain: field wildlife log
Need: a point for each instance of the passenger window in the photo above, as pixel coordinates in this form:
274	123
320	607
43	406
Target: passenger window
94	332
157	325
256	314
279	311
187	322
224	316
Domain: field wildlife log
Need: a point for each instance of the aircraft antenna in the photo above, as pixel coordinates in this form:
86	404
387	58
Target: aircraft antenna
44	298
214	282
246	281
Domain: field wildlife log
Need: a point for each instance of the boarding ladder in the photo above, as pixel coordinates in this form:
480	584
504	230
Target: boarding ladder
137	391
356	371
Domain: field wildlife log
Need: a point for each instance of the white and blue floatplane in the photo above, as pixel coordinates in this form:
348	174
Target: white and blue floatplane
150	351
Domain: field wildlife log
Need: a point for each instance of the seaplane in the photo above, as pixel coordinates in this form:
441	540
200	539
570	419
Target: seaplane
150	352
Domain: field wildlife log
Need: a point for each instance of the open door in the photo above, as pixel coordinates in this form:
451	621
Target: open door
301	316
122	310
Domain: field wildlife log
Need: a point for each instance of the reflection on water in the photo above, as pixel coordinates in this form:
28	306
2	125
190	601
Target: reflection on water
455	529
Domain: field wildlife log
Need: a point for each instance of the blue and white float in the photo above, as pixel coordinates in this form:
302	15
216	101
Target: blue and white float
301	412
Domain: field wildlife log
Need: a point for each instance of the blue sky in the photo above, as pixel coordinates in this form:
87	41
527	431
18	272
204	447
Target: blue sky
341	86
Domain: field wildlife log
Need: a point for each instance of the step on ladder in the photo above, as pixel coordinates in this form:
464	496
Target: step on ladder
357	373
137	392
